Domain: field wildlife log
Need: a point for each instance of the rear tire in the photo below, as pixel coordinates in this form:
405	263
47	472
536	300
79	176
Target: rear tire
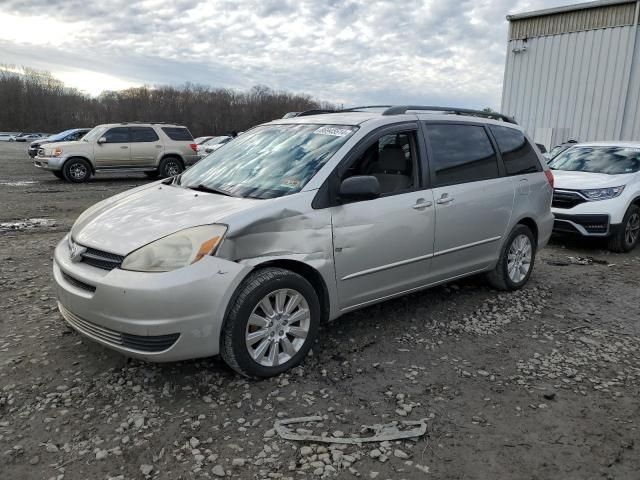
516	260
626	238
76	170
261	342
170	167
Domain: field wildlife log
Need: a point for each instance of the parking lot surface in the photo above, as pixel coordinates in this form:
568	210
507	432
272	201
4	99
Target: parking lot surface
537	384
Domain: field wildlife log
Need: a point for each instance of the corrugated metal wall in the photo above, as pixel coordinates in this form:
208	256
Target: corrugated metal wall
576	21
577	81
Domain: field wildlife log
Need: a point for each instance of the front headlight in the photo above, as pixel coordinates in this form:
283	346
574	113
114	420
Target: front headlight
175	251
602	193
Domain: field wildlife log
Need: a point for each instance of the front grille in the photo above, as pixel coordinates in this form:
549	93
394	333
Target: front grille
77	283
566	199
100	259
141	343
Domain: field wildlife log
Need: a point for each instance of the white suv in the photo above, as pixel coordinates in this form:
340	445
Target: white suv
597	192
157	149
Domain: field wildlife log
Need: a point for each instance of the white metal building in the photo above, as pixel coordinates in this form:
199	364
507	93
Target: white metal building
574	72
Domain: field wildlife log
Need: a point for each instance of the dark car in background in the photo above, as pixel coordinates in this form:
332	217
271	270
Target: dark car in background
71	135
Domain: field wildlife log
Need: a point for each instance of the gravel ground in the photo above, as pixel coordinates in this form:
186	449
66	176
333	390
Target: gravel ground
537	384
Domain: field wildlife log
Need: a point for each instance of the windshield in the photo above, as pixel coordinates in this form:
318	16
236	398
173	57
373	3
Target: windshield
609	160
268	161
94	133
215	140
555	151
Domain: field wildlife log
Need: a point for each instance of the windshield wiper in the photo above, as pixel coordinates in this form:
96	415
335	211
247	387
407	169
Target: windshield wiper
204	188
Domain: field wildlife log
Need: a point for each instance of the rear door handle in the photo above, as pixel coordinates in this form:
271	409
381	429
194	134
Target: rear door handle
124	146
444	199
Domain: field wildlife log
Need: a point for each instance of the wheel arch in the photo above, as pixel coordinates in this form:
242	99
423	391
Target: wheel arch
82	157
308	272
531	224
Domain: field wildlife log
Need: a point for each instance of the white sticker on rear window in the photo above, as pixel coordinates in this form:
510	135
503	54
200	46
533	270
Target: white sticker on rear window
333	131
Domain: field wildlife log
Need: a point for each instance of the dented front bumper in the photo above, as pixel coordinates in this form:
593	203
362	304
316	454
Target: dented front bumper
154	316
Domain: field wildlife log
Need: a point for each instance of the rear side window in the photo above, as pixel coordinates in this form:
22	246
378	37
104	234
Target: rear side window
143	134
518	155
117	135
461	154
178	133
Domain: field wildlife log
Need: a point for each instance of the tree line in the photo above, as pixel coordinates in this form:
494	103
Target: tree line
35	101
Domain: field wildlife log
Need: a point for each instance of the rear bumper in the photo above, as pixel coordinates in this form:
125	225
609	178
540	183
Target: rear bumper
153	316
593	225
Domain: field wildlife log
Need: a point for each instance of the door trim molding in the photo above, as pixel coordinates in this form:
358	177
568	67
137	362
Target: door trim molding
387	266
467	245
419	259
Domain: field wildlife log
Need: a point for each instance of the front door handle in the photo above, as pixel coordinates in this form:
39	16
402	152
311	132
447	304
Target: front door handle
124	146
421	204
444	199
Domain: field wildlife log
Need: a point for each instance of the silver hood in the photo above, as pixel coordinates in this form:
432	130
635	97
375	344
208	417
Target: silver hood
128	221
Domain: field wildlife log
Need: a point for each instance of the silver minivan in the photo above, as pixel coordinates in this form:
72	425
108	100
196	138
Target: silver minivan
299	221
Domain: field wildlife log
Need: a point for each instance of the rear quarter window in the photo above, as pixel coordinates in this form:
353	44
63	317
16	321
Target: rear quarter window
178	133
517	153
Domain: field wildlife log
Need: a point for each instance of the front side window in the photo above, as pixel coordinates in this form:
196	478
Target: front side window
598	159
268	161
461	154
517	154
143	134
392	159
117	135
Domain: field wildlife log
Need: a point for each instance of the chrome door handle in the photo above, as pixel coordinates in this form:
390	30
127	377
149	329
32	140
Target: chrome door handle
422	205
444	200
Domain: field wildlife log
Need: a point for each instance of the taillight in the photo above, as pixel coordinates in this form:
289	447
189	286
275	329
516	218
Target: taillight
549	177
193	146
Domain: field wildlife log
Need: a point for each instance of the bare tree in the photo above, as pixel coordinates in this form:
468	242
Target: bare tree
36	101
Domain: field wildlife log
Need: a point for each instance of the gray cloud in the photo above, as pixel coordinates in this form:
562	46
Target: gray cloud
348	51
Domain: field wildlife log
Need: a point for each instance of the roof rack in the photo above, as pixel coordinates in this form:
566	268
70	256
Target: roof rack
362	107
400	109
151	123
316	111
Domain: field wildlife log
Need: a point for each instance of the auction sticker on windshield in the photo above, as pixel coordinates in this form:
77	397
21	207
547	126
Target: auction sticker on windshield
333	131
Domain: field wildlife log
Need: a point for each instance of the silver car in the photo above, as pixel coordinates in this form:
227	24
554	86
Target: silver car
299	221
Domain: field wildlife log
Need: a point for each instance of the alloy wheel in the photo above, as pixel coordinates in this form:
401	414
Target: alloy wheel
278	327
172	169
519	258
632	229
78	171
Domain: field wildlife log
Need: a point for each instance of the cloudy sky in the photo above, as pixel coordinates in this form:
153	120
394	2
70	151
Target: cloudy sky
347	51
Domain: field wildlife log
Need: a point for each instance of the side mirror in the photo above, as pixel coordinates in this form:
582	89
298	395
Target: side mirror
102	140
360	187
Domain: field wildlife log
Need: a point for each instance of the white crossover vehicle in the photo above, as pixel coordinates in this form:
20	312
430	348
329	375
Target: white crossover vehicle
299	221
597	192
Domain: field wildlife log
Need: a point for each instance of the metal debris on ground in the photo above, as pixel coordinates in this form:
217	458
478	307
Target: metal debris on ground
381	433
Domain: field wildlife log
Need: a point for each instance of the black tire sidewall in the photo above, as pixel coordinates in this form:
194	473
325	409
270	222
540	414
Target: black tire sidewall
623	238
67	166
239	316
519	230
162	168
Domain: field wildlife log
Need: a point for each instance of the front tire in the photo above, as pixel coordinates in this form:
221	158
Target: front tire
76	170
516	260
626	238
170	167
272	323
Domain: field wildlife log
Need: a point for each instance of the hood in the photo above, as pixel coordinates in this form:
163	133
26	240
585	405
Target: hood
129	221
566	180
